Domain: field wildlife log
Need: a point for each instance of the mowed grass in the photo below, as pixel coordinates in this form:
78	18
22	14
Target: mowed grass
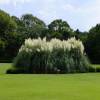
49	87
4	67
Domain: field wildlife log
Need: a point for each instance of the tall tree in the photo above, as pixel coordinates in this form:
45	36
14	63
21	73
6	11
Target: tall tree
7	25
33	26
7	34
93	44
60	29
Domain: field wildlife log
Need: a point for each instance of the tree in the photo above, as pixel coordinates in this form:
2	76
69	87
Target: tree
33	26
20	36
28	26
60	29
81	35
7	33
7	25
93	44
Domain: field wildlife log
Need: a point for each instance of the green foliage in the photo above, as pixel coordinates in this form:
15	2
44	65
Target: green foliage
14	31
7	25
59	25
81	35
60	29
54	56
7	35
23	61
92	69
97	69
33	26
93	44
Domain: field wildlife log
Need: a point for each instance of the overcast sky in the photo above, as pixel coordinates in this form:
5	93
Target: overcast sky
81	14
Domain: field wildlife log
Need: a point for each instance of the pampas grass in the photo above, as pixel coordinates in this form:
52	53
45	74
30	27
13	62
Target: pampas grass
54	56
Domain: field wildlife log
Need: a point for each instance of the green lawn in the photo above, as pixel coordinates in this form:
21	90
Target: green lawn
4	67
49	87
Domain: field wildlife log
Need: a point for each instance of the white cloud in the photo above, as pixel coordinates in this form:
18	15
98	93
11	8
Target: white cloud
14	2
68	7
83	16
80	14
47	15
91	13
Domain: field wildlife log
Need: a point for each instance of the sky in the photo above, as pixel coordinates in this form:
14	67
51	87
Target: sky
80	14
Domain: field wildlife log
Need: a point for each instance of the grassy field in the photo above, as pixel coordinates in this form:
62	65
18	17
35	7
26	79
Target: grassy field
49	87
4	67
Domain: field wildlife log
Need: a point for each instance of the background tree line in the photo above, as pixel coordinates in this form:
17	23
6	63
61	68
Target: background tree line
14	31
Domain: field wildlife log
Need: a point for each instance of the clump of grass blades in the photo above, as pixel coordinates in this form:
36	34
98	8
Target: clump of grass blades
54	56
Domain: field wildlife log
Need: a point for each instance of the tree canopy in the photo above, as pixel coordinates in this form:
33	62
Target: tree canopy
60	29
93	44
14	30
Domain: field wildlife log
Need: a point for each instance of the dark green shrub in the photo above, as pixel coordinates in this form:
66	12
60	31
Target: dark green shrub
98	69
16	71
92	69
